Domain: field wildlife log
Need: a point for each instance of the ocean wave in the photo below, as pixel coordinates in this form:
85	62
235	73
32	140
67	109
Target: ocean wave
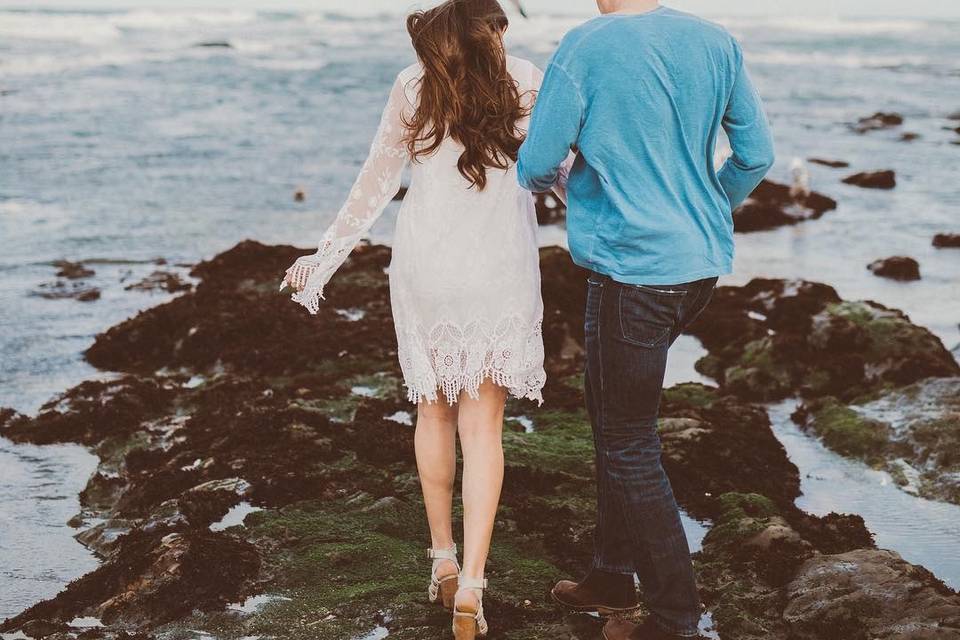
62	27
829	26
846	61
163	20
95	28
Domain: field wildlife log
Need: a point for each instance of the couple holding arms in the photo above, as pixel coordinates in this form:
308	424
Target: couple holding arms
622	126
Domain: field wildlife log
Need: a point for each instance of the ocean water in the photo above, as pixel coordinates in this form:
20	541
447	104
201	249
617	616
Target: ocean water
124	142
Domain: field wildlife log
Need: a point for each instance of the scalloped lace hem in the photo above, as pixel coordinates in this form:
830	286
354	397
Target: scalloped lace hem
451	389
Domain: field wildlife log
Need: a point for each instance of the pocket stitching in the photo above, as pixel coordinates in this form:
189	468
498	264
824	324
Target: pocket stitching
677	293
633	341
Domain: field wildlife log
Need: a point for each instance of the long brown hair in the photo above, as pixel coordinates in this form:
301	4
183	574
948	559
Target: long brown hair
466	92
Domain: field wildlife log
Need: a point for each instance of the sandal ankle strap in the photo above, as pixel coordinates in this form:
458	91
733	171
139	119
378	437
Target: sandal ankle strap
473	583
443	554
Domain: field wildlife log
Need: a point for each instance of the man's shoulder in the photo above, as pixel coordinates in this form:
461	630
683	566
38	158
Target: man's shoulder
596	33
581	35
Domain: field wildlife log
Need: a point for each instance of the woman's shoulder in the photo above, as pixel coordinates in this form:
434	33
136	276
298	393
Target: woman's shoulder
409	79
524	71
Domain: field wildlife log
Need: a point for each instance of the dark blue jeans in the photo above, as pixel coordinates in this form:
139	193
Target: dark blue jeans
629	330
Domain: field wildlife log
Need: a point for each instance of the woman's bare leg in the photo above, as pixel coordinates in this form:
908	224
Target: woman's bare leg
481	441
436	447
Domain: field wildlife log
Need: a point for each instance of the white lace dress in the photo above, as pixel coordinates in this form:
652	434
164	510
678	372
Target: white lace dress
465	272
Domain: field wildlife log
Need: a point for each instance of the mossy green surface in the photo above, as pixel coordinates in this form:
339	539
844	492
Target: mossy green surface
691	394
848	433
759	372
888	332
742	515
561	442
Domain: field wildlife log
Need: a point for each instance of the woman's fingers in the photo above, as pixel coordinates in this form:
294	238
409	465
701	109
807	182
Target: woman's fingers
296	277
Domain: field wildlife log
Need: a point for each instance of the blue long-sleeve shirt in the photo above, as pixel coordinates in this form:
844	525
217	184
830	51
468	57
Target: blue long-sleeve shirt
642	99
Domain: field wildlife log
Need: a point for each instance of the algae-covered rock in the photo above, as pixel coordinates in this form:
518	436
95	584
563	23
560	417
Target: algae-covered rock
772	339
153	579
714	444
748	556
869	594
847	431
912	432
233	394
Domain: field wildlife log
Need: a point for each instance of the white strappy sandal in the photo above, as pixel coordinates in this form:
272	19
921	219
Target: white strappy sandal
467	624
443	589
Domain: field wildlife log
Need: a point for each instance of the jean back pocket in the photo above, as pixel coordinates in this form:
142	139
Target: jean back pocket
648	315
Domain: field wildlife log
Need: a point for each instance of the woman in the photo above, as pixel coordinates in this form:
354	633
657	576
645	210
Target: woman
464	280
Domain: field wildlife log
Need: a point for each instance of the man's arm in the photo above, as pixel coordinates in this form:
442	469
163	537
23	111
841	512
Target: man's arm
750	139
554	129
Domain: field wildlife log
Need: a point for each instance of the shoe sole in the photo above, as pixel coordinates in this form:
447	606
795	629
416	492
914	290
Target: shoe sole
600	610
448	591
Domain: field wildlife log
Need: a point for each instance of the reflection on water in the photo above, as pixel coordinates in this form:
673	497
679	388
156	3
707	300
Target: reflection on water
38	495
922	531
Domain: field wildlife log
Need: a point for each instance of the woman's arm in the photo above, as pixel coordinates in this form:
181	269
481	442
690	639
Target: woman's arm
375	187
559	187
554	131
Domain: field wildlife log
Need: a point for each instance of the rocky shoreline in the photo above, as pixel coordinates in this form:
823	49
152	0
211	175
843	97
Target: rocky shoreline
230	400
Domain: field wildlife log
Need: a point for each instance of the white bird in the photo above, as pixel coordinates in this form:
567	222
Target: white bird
801	179
519	7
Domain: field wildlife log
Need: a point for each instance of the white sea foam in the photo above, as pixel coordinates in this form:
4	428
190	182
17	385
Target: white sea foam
60	27
847	61
833	26
159	20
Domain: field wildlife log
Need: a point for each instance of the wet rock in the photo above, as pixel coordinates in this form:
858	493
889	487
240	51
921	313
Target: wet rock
749	557
154	579
774	338
704	433
878	121
873	180
43	628
336	478
833	164
214	44
401	194
160	281
66	290
869	594
909	136
773	205
947	240
300	195
845	430
215	328
896	268
913	433
72	270
94	411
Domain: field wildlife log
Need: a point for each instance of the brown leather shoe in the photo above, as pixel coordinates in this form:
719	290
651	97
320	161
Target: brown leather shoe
617	629
575	596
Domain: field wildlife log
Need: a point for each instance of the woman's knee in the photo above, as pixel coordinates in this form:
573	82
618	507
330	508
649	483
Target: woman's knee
437	414
482	416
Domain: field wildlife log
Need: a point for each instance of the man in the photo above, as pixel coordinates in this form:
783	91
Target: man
641	93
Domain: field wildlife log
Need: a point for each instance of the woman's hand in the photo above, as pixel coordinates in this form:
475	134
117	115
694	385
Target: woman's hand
297	275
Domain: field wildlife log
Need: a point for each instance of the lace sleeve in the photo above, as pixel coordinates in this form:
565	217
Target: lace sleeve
563	175
563	172
375	187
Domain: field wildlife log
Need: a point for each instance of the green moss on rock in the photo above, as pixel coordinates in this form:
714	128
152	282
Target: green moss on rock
848	433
